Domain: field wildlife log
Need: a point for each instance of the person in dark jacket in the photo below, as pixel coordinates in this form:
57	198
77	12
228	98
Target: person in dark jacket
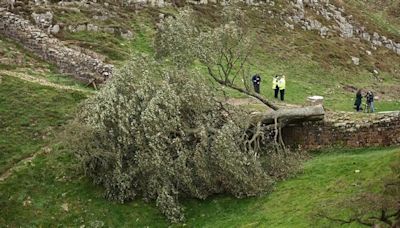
370	101
256	82
275	85
358	101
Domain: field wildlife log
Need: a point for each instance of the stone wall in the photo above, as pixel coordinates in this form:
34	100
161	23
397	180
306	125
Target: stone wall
69	60
381	130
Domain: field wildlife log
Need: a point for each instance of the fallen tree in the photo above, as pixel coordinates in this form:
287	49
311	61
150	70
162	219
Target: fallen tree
156	132
160	140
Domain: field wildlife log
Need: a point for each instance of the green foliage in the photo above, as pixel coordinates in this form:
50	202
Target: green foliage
178	38
224	47
147	134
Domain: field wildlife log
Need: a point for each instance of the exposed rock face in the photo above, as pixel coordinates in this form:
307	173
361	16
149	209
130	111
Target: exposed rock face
346	30
40	2
92	28
10	4
55	29
356	61
126	34
163	3
43	20
70	61
307	23
345	25
157	3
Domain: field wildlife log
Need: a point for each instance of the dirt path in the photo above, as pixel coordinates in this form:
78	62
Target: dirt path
22	163
39	81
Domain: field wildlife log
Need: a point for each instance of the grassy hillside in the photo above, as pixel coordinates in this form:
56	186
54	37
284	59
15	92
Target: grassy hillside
51	191
30	113
378	15
313	65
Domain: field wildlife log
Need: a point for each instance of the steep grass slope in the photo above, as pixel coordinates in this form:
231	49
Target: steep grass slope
379	15
30	113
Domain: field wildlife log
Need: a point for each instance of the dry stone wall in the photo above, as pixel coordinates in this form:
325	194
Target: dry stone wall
70	61
382	130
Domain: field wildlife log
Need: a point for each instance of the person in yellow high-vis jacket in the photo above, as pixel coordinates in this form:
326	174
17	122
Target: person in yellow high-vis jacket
282	86
275	86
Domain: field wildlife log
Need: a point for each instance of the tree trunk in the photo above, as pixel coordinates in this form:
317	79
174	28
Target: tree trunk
293	115
255	95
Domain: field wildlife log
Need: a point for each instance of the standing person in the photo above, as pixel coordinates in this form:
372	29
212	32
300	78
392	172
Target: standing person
370	101
358	101
256	83
282	86
275	86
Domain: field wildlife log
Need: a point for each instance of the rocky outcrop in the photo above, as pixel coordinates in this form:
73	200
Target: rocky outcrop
124	33
10	4
377	130
344	25
45	22
70	61
163	3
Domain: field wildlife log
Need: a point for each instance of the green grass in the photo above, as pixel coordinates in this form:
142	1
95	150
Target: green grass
318	66
53	180
115	48
111	46
313	65
12	56
15	59
292	204
377	14
28	112
31	114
